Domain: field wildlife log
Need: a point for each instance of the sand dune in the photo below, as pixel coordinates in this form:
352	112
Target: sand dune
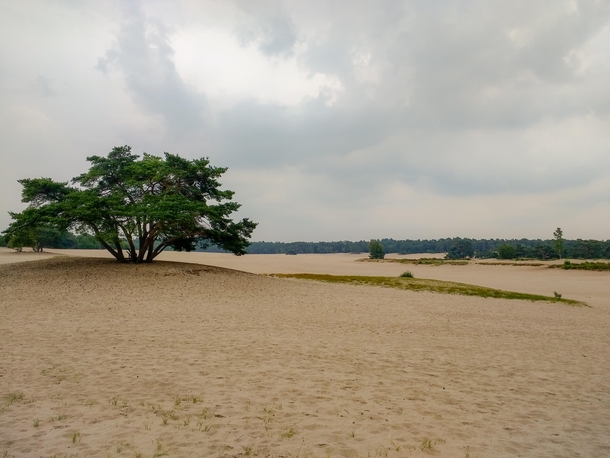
590	287
102	359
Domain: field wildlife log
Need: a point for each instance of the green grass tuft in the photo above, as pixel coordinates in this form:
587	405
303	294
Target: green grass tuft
436	286
13	397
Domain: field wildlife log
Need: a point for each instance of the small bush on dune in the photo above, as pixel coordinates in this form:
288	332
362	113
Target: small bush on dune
376	250
407	274
587	265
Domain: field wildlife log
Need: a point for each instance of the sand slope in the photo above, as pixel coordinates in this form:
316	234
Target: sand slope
9	256
586	286
101	359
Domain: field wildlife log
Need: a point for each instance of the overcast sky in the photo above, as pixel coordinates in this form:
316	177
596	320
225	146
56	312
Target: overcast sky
338	119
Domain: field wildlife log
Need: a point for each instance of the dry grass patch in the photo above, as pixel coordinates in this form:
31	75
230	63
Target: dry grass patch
435	286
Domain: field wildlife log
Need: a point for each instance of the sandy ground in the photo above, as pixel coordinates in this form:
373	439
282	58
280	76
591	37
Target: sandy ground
102	359
8	256
590	287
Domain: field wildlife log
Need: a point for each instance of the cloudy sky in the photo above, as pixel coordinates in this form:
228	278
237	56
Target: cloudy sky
338	119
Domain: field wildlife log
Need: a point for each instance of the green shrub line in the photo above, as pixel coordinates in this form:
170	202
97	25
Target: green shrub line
435	286
425	261
567	265
517	264
587	265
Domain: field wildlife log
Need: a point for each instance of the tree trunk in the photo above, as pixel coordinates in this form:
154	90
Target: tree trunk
119	251
150	255
117	254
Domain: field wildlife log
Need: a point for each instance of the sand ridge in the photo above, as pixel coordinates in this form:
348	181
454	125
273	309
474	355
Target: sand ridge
116	360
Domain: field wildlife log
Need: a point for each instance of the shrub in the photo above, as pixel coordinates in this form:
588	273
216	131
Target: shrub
587	265
376	250
506	251
407	274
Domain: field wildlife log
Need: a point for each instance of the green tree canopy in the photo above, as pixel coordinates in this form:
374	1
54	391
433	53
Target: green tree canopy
460	249
150	203
507	251
376	250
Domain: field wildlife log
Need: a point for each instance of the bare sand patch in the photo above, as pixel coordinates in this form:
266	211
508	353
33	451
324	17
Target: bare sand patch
103	359
9	256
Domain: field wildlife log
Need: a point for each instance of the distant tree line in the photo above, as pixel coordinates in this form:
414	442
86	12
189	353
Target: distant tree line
454	247
39	239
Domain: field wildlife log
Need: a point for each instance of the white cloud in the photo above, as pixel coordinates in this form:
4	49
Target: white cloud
337	119
215	62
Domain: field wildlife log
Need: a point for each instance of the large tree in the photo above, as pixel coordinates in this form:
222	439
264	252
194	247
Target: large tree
136	207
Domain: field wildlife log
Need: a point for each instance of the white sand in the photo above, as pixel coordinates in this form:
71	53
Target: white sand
111	356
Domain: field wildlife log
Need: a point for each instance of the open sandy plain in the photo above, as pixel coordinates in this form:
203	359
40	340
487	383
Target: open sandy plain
193	359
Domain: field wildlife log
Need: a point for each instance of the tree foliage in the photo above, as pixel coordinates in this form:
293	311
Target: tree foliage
558	242
507	251
483	248
460	249
376	250
135	208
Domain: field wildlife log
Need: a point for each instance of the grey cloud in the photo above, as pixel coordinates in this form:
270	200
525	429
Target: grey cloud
143	55
271	136
270	26
455	62
278	36
447	59
444	103
44	86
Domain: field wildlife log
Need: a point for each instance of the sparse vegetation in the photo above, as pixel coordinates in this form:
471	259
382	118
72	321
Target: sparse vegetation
249	450
407	274
428	444
288	433
13	397
436	286
160	450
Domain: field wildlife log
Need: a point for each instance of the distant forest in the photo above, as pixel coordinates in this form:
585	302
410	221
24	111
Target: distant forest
483	248
480	248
